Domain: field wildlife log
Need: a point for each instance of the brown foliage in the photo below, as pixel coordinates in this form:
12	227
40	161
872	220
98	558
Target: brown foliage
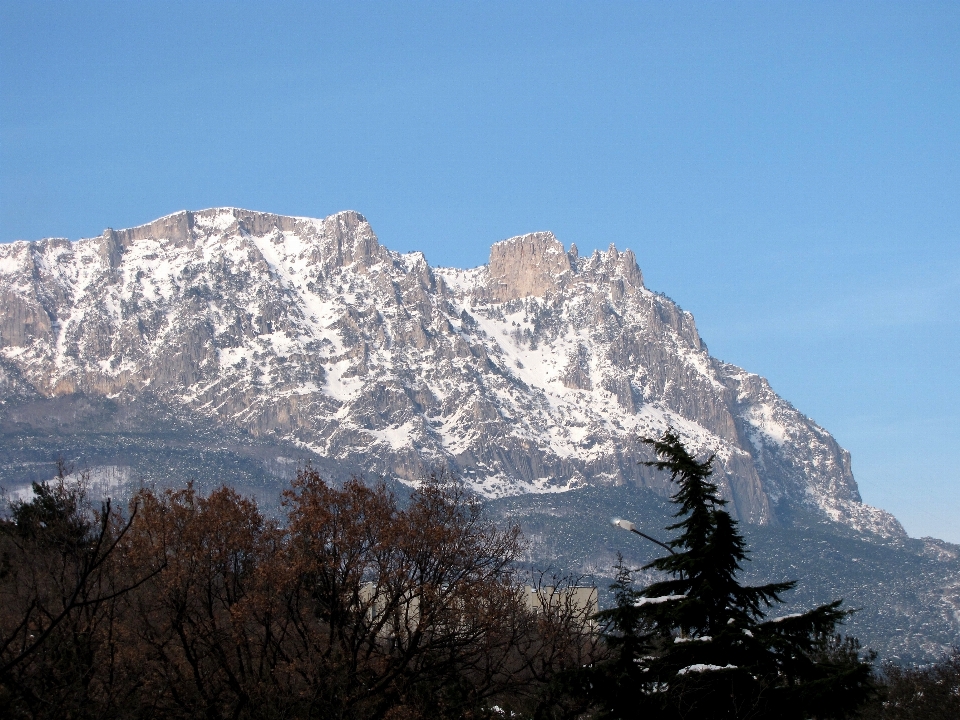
918	693
353	607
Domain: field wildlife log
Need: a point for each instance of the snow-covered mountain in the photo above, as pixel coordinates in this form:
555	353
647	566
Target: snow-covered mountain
538	372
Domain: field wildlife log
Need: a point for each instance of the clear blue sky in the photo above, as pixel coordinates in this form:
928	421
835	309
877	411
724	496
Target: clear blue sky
789	172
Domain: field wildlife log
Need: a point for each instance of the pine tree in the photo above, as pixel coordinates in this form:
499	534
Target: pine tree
698	645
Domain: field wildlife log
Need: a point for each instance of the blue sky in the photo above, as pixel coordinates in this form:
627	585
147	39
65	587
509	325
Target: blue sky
789	172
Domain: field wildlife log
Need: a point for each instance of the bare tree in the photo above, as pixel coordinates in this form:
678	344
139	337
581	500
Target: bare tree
58	578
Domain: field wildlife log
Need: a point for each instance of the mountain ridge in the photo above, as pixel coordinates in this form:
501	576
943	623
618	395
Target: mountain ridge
539	371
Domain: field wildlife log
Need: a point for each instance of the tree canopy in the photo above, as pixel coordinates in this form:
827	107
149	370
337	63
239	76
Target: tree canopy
352	604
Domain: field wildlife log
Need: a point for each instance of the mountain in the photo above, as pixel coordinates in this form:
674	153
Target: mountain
229	345
537	372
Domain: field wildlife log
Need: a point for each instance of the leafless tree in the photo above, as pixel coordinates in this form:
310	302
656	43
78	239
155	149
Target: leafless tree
59	576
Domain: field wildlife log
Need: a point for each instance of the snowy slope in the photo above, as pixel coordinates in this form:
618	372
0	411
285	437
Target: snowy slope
538	372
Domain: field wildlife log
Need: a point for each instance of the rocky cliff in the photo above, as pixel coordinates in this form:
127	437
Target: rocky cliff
538	372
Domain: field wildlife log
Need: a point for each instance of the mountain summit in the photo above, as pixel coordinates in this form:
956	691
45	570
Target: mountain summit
538	372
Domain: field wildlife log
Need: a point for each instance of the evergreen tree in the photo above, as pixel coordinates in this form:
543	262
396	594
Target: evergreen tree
697	644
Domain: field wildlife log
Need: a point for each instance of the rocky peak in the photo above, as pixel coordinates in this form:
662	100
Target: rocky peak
342	239
525	266
536	264
347	238
626	267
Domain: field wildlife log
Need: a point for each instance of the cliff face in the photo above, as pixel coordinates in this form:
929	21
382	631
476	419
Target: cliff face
538	372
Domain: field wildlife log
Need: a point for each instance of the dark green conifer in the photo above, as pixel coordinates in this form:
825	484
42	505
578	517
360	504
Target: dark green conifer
698	645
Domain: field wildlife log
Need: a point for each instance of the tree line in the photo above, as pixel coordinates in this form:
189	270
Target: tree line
350	606
353	604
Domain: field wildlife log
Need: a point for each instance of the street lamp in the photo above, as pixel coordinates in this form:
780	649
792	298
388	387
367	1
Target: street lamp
627	525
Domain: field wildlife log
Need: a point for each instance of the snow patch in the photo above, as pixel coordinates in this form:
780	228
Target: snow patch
658	600
704	667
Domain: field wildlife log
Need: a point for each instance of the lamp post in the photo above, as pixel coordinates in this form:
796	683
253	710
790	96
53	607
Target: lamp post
627	525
